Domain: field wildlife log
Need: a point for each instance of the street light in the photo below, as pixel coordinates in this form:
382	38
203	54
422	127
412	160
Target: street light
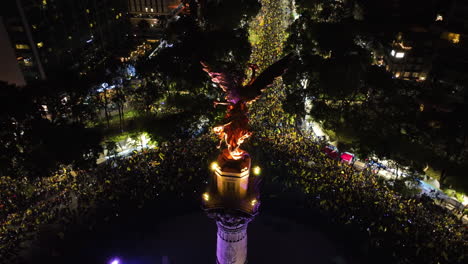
253	202
214	165
256	170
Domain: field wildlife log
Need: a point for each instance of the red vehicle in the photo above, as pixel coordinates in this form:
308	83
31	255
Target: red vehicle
331	152
347	157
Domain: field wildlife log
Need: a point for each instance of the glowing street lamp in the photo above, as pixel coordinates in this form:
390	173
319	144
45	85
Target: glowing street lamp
256	170
206	197
253	202
214	165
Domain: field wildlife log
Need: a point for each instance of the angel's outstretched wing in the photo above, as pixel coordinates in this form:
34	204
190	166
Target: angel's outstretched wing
229	82
266	78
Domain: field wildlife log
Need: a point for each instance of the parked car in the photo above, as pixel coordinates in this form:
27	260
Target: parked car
331	152
347	157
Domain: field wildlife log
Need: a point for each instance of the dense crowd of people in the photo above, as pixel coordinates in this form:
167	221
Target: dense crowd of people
179	166
411	230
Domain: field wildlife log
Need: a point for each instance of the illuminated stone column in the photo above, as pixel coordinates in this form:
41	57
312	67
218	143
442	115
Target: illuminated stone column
231	245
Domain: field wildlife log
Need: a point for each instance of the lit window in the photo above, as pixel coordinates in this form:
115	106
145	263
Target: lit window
400	55
44	2
439	17
393	53
146	9
87	11
422	78
91	25
22	46
40	44
453	37
117	17
151	10
27	62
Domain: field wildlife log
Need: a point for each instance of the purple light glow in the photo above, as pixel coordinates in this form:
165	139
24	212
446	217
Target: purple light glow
115	261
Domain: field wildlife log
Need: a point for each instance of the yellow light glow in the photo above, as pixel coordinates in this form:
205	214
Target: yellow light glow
454	37
253	202
22	46
214	166
256	170
206	197
40	44
404	47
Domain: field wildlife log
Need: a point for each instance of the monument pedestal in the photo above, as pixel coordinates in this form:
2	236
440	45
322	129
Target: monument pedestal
232	200
231	245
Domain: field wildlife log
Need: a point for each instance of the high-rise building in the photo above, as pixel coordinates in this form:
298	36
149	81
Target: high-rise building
9	68
451	56
60	34
410	55
435	48
148	16
152	7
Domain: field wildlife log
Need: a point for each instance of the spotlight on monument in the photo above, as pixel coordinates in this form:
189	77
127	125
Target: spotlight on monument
206	197
214	165
115	261
253	202
256	170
